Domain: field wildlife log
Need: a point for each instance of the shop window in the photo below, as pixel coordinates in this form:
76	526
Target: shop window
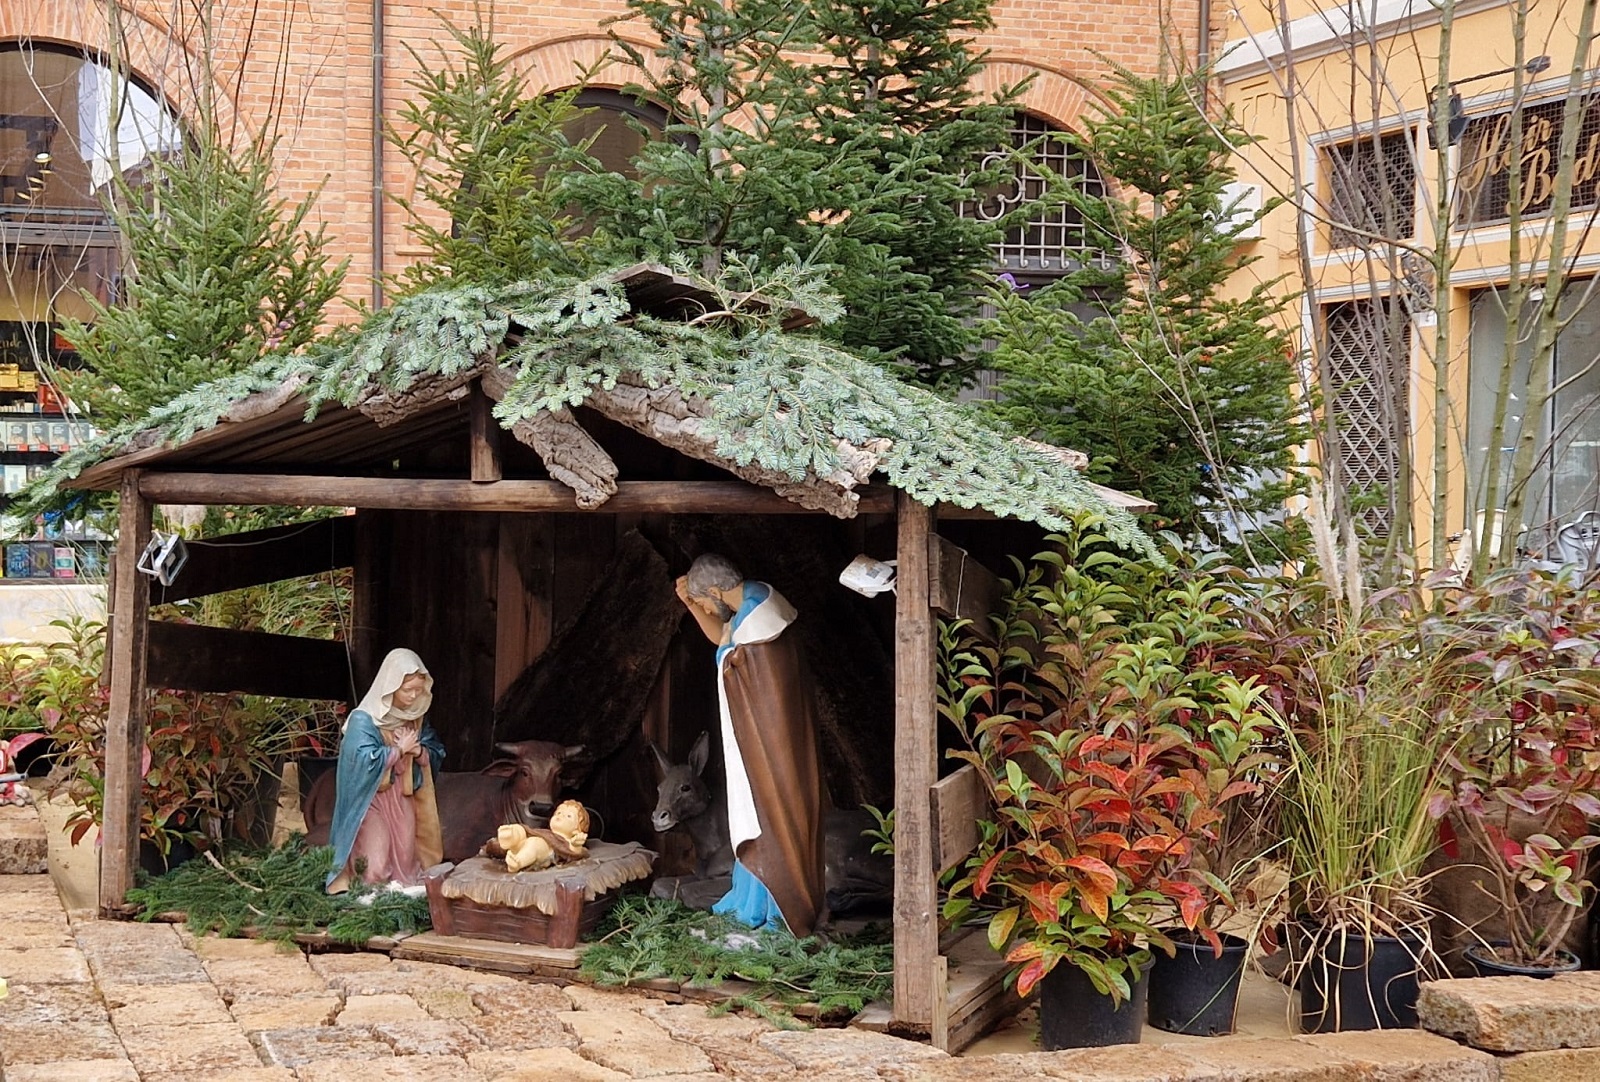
1371	192
59	153
1565	484
1368	350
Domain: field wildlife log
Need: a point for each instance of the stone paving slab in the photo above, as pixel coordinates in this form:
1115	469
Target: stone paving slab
429	1038
540	1065
308	1044
237	1074
413	1069
83	1070
389	1007
628	1042
166	1049
1515	1014
839	1049
23	850
1557	1065
44	965
447	1003
51	1041
174	1004
264	977
41	1004
32	931
286	1012
1407	1055
522	1029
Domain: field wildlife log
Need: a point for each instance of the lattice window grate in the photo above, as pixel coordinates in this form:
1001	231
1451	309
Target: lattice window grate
1054	241
1368	350
1372	190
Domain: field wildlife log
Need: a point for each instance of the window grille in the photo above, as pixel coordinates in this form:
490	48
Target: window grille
1368	348
1054	241
1372	190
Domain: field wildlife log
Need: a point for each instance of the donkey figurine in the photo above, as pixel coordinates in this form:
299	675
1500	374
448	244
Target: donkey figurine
684	799
857	879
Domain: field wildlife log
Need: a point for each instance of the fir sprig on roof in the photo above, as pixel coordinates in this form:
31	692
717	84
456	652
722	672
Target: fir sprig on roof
785	401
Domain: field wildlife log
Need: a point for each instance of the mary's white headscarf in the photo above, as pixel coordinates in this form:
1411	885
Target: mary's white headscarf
378	701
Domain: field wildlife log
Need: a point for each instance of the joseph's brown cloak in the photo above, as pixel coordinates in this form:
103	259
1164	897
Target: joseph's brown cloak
769	703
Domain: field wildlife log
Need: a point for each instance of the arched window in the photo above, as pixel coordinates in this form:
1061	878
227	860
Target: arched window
1052	242
606	118
67	125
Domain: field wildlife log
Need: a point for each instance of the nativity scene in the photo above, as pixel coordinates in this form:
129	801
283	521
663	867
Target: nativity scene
566	603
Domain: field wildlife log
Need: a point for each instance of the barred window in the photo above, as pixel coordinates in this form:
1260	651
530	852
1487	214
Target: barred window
1368	349
1054	241
1372	189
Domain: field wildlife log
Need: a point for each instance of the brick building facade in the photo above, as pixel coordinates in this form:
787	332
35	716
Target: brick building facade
313	63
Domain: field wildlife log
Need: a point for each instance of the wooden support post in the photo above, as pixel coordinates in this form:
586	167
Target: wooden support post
125	721
485	438
916	918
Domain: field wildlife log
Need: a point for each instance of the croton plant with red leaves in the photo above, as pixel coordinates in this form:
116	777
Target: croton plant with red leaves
1113	756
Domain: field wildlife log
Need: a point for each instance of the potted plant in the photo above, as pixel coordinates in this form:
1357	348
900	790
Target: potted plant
1077	726
1195	991
1523	784
1366	744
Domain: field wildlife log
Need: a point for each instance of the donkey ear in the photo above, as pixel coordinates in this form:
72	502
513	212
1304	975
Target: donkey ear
700	752
662	766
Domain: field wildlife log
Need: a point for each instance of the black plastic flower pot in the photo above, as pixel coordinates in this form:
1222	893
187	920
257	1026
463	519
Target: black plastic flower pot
1073	1014
1196	992
1489	964
1352	981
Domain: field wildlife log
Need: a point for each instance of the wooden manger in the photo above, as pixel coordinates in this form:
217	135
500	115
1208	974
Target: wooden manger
552	907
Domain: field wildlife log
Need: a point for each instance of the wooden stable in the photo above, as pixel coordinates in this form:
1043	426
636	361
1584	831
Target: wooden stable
466	547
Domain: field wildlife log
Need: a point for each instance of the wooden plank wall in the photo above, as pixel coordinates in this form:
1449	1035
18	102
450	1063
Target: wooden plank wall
478	596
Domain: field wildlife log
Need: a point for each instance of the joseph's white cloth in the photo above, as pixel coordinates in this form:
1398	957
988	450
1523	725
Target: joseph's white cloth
764	623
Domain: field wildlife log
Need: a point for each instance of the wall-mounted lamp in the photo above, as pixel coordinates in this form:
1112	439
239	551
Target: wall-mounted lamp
1456	124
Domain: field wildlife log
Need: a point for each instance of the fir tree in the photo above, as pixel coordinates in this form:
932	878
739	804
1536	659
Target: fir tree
492	159
218	271
1178	387
826	134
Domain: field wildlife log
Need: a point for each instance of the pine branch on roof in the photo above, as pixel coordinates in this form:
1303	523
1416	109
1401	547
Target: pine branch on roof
779	408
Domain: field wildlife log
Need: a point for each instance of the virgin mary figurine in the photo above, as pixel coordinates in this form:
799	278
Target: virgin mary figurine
385	820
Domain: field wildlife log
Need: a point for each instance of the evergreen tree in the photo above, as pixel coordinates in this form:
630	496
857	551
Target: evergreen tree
217	272
823	133
1178	387
492	159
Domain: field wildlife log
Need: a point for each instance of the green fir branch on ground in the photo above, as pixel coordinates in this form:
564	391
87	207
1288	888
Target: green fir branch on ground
277	894
651	939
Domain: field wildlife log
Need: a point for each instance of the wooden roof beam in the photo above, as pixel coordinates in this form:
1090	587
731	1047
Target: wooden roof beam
435	494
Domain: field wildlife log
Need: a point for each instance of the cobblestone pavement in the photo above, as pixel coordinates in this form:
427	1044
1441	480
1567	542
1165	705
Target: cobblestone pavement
109	1001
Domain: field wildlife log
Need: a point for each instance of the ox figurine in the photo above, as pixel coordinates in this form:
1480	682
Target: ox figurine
858	880
522	786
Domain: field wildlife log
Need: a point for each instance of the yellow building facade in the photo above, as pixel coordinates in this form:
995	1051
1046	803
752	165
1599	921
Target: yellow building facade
1420	266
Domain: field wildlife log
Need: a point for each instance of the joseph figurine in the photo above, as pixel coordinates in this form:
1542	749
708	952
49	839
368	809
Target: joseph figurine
769	741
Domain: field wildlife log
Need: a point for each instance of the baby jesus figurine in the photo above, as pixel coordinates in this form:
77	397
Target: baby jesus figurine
527	850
